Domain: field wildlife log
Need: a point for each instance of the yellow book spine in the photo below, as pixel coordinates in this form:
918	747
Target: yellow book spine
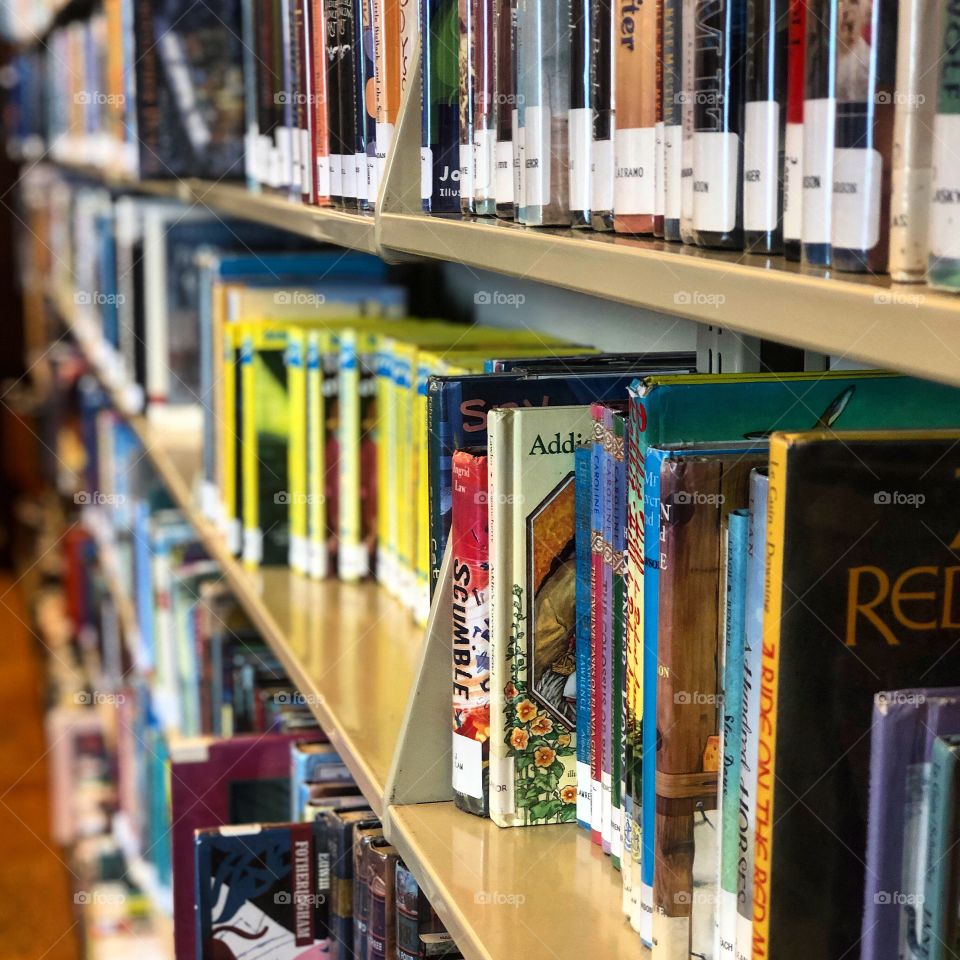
386	466
352	557
297	449
252	547
230	507
769	688
421	609
404	510
316	461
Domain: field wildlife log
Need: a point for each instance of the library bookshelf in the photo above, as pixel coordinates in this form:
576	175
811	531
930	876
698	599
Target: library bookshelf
364	668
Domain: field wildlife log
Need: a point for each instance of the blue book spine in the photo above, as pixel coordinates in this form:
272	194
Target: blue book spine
738	525
651	586
750	710
584	660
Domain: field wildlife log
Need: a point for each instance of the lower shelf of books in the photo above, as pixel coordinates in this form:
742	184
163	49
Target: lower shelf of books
497	890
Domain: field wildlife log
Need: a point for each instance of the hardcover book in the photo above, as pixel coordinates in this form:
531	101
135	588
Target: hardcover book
876	573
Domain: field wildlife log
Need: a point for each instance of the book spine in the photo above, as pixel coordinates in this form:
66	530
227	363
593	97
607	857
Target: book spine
545	91
249	465
499	479
362	61
580	116
437	428
319	107
660	172
368	107
763	946
468	103
330	438
331	9
863	139
765	125
440	145
688	20
634	655
584	659
719	79
596	626
672	117
347	95
918	43
518	131
793	133
608	498
738	524
353	558
819	123
386	45
943	267
421	607
505	105
750	711
618	635
305	102
317	555
297	452
602	85
250	146
381	896
482	89
634	148
687	761
471	634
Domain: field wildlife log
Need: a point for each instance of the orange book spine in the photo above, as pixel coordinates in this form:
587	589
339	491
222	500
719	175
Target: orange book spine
387	38
321	131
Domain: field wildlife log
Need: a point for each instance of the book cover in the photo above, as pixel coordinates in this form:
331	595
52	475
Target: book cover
598	598
533	666
471	633
216	783
904	725
890	525
863	141
258	889
914	112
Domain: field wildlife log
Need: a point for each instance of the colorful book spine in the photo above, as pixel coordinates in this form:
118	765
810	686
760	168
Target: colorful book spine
819	126
386	44
688	22
634	151
318	552
318	107
440	145
617	563
918	44
672	117
750	714
580	116
380	869
368	174
582	467
297	497
505	13
605	626
544	100
765	125
660	158
793	135
415	916
471	634
331	10
468	104
863	141
718	111
597	621
738	526
943	268
602	83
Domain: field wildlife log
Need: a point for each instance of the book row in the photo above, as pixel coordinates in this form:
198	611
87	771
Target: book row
678	621
221	789
819	130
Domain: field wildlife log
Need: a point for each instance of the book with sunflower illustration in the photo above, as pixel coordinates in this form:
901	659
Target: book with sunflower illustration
533	776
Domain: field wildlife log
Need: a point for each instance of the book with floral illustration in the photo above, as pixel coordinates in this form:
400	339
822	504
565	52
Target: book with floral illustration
533	613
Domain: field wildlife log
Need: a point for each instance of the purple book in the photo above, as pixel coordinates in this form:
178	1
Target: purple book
904	727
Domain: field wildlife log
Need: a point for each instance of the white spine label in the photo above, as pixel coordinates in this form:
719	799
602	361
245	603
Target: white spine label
580	122
483	150
503	182
336	184
818	120
426	173
602	181
856	198
348	176
583	792
660	175
373	178
384	135
467	766
536	159
360	175
673	170
466	171
793	181
635	157
945	208
761	155
715	164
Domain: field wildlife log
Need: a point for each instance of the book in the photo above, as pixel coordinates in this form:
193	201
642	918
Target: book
584	597
368	172
918	42
634	152
258	887
414	916
386	46
734	588
380	868
309	763
750	709
580	115
764	126
719	79
471	633
477	133
505	105
600	680
532	615
819	123
363	837
673	97
942	268
888	526
863	142
904	726
696	492
939	924
440	143
543	97
687	121
793	132
215	783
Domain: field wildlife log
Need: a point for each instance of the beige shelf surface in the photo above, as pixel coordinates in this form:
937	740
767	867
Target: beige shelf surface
544	893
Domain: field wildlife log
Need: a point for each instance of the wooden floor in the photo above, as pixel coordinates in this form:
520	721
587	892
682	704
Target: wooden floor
37	920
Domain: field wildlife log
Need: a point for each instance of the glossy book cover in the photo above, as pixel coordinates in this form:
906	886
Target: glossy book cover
877	573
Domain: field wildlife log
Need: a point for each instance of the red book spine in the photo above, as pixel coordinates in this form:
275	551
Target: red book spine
470	533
